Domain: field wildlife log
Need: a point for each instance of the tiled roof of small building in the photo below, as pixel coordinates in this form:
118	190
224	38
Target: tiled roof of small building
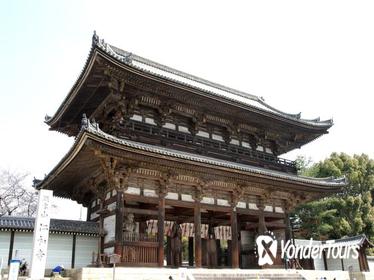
350	241
56	225
359	240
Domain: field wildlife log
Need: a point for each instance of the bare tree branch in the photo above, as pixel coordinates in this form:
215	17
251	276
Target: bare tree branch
15	197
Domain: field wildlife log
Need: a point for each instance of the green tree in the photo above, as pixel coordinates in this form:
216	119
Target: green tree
347	213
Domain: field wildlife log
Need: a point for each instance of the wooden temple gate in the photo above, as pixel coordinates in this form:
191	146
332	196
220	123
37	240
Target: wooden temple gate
176	148
164	198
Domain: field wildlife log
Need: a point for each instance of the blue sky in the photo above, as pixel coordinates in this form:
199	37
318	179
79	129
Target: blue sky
311	56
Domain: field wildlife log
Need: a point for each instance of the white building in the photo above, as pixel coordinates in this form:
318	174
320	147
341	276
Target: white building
71	243
329	262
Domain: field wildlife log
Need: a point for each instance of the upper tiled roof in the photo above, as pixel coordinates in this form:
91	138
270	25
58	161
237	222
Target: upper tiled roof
192	81
217	91
63	226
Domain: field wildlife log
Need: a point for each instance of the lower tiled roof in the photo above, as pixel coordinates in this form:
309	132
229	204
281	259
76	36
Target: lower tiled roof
61	226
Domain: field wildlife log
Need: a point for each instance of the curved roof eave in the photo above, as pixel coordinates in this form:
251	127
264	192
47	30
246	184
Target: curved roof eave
93	131
129	59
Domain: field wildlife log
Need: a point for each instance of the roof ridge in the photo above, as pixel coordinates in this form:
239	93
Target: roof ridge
188	76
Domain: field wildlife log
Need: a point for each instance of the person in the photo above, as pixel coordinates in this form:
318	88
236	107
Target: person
23	267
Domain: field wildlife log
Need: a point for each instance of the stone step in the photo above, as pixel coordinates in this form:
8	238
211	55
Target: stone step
248	276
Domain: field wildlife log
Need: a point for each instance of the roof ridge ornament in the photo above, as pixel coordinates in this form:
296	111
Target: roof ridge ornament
125	57
86	124
95	38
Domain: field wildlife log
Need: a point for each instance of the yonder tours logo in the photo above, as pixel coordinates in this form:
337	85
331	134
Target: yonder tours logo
267	249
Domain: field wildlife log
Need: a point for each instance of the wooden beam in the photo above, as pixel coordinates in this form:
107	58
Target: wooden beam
147	212
268	225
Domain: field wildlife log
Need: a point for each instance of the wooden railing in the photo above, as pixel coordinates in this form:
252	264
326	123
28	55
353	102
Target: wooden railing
140	249
134	236
210	147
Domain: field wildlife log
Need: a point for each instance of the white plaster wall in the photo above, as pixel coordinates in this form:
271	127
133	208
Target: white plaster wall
334	264
22	245
4	246
319	264
351	262
371	264
59	250
109	227
84	247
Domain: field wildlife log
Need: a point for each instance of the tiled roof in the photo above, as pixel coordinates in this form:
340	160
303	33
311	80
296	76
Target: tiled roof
350	241
94	129
56	225
346	241
214	89
226	94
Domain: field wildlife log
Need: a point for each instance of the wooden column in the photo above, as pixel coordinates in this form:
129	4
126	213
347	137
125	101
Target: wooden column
234	238
197	221
324	260
73	251
101	212
362	260
118	245
190	251
160	229
11	243
261	218
288	229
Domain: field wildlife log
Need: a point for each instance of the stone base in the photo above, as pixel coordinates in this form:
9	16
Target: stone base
90	273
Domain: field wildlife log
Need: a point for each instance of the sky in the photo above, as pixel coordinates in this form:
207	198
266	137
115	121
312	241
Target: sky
313	57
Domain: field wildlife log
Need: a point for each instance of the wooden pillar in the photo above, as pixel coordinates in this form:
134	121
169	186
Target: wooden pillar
160	229
89	210
234	238
219	252
324	260
168	251
190	251
365	260
118	245
101	232
73	251
362	260
261	218
11	243
197	221
288	230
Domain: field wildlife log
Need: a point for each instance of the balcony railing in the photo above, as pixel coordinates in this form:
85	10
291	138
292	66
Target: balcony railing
205	146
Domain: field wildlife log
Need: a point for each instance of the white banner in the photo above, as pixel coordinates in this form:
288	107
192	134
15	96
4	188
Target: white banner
41	234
